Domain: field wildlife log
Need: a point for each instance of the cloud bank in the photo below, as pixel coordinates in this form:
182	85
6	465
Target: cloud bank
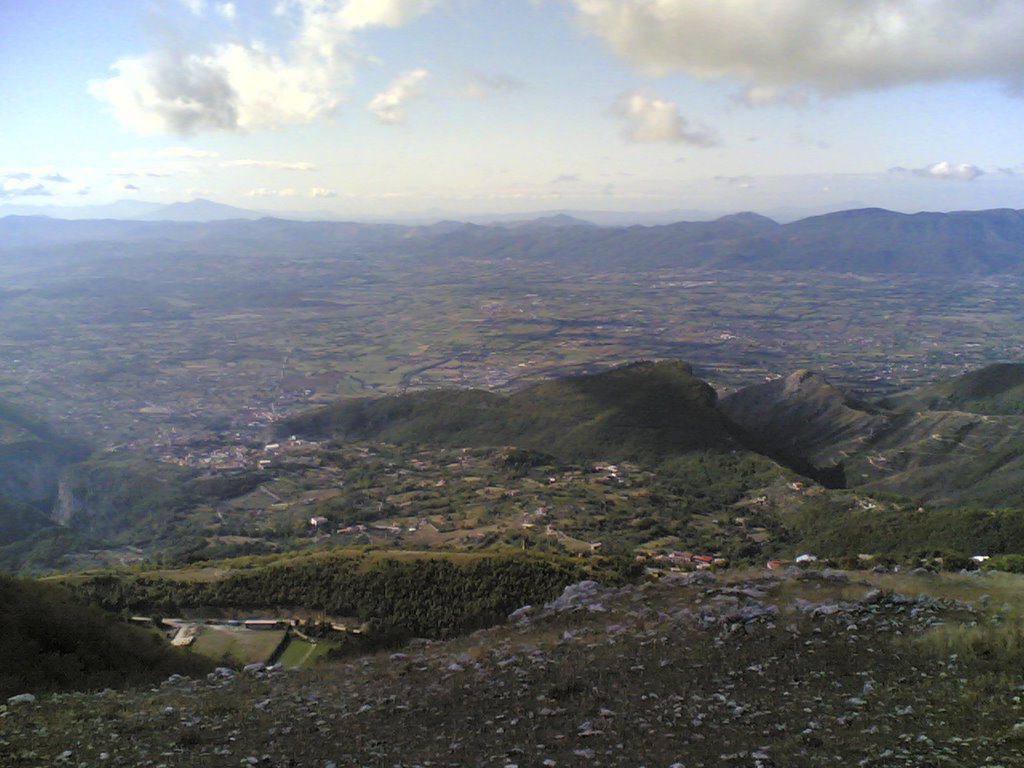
244	86
943	171
824	46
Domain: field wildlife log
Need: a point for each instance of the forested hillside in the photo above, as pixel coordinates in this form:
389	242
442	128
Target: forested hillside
642	412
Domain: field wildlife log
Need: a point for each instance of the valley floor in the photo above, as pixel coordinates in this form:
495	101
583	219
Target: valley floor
752	670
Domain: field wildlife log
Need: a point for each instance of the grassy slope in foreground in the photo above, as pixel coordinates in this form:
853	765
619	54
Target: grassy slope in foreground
660	675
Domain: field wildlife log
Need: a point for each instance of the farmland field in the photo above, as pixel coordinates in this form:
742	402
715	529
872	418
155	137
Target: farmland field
301	653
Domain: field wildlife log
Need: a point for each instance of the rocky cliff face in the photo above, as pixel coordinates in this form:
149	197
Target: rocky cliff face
67	509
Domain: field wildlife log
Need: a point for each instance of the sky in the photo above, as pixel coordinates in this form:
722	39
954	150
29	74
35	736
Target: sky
380	108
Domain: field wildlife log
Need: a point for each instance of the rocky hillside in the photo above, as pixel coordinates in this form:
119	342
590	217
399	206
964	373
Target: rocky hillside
751	671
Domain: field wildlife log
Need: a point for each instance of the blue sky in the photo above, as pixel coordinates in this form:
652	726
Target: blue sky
384	107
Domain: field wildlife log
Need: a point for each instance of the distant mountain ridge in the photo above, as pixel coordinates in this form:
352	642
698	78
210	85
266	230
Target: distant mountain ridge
864	241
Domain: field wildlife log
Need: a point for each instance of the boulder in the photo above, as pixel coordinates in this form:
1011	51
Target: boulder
574	596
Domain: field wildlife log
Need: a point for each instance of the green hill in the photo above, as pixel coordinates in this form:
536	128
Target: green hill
49	642
925	446
643	412
996	389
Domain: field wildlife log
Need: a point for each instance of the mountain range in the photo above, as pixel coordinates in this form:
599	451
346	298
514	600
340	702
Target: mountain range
864	241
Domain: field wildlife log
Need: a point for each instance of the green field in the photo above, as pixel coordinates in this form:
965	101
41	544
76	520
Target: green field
237	644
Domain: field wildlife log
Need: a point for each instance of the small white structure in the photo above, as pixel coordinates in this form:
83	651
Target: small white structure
806	558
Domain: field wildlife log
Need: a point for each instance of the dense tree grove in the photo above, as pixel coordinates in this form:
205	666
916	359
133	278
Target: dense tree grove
835	528
433	597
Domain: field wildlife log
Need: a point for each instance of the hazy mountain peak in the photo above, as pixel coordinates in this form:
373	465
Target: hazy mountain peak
200	209
748	218
554	221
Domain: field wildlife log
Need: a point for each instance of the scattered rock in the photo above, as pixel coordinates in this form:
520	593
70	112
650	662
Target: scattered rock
520	615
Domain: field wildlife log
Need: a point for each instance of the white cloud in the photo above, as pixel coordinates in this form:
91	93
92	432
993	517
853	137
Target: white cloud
387	105
239	86
279	164
827	46
944	171
233	88
264	192
227	11
357	14
186	153
322	192
648	119
57	178
195	6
